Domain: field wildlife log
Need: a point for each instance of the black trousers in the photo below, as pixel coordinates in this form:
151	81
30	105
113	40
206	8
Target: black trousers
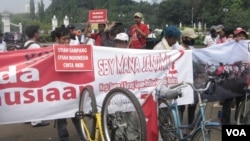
226	109
190	112
62	128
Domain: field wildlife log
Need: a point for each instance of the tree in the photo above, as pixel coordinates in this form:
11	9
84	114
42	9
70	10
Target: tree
41	10
32	9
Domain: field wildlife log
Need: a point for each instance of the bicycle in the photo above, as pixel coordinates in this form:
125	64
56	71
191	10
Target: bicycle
122	116
243	116
111	124
170	126
90	118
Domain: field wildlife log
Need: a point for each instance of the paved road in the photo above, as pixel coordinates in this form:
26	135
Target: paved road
25	132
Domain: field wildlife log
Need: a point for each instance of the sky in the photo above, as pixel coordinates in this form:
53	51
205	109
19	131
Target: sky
18	6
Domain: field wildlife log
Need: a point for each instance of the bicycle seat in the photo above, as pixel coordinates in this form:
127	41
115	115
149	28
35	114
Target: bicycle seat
210	77
170	93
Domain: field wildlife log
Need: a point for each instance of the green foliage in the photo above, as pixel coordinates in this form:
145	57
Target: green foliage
199	41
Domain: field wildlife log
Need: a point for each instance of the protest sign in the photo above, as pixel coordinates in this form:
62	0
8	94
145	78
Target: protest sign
98	16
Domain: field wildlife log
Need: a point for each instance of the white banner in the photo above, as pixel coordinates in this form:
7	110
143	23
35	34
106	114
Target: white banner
37	92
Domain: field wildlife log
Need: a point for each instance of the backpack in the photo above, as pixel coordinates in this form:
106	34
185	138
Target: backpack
22	45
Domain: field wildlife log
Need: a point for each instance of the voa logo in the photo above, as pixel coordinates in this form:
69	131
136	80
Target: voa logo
236	132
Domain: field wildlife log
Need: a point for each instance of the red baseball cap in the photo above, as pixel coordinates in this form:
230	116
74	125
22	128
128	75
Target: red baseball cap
239	30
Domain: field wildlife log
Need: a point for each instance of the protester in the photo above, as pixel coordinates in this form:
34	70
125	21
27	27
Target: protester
96	36
73	35
151	34
3	46
240	34
32	32
229	33
121	40
110	33
82	38
188	37
236	86
138	32
220	30
210	39
169	39
62	36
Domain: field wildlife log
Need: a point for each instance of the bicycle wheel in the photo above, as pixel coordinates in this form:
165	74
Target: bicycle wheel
122	116
212	133
243	117
87	106
166	122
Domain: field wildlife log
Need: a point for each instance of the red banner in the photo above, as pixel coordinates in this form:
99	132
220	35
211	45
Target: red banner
25	70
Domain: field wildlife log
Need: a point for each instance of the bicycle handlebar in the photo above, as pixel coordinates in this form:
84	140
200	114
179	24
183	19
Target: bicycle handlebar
179	85
176	85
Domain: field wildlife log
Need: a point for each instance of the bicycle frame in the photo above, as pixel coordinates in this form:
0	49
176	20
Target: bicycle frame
200	121
98	129
245	102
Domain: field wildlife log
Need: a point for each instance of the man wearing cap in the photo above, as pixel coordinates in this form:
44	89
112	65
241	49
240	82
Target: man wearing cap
121	40
3	46
188	37
210	39
220	30
138	32
240	34
234	85
169	39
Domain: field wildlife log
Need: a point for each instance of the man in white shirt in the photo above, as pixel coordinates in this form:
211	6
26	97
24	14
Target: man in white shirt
210	39
32	33
3	46
151	34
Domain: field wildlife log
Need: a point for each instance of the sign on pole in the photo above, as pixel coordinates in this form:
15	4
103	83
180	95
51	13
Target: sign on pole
98	16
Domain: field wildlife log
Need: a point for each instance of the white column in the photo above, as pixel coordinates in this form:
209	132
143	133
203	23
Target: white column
20	28
6	21
54	22
66	21
199	26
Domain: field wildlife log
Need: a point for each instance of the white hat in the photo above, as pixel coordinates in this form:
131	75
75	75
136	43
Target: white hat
122	37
